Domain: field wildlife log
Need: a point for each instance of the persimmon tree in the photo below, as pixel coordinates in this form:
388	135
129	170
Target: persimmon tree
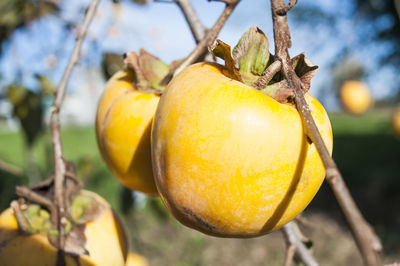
364	236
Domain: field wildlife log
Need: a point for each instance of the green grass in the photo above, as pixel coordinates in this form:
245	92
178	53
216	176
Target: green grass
77	143
373	122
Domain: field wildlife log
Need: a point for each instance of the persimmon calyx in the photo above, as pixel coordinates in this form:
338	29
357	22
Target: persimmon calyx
83	209
250	61
149	71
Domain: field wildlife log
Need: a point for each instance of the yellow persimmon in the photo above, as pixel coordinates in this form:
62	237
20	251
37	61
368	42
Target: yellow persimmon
229	160
355	97
134	259
396	121
123	125
105	241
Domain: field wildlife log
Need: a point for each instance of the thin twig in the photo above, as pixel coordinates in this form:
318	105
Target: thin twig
290	251
366	240
195	24
285	9
23	224
33	197
60	166
293	241
197	28
9	168
208	39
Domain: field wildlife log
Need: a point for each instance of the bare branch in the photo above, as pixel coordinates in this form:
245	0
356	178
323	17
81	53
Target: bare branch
282	11
23	224
201	47
290	251
60	166
34	197
197	28
293	242
367	242
9	168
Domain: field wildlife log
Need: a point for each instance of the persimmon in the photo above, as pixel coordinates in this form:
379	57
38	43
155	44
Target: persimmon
106	242
355	97
134	259
396	121
123	122
229	160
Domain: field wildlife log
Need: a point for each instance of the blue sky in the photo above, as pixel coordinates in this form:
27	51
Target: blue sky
160	28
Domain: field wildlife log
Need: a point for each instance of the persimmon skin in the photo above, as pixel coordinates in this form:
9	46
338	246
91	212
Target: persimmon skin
105	240
134	259
123	125
229	160
355	97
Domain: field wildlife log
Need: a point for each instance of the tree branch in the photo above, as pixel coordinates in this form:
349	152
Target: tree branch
197	28
60	165
23	224
9	168
367	242
295	245
208	39
34	197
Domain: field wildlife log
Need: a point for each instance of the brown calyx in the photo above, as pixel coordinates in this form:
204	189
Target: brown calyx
251	63
36	204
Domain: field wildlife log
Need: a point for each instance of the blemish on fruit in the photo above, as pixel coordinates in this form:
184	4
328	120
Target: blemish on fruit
199	220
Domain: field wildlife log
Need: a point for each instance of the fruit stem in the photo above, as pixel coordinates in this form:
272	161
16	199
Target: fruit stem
367	241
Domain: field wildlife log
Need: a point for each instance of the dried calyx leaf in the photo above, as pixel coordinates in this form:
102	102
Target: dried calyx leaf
85	209
36	219
149	71
278	87
250	62
223	51
251	54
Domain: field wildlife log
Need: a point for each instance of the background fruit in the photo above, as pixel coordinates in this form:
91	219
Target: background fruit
134	259
123	124
105	241
229	160
355	97
396	120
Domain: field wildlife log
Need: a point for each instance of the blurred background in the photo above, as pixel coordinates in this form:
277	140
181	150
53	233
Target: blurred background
348	39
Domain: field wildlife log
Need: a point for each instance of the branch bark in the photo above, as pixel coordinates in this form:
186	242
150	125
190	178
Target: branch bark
367	242
9	168
295	245
58	218
197	28
208	39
